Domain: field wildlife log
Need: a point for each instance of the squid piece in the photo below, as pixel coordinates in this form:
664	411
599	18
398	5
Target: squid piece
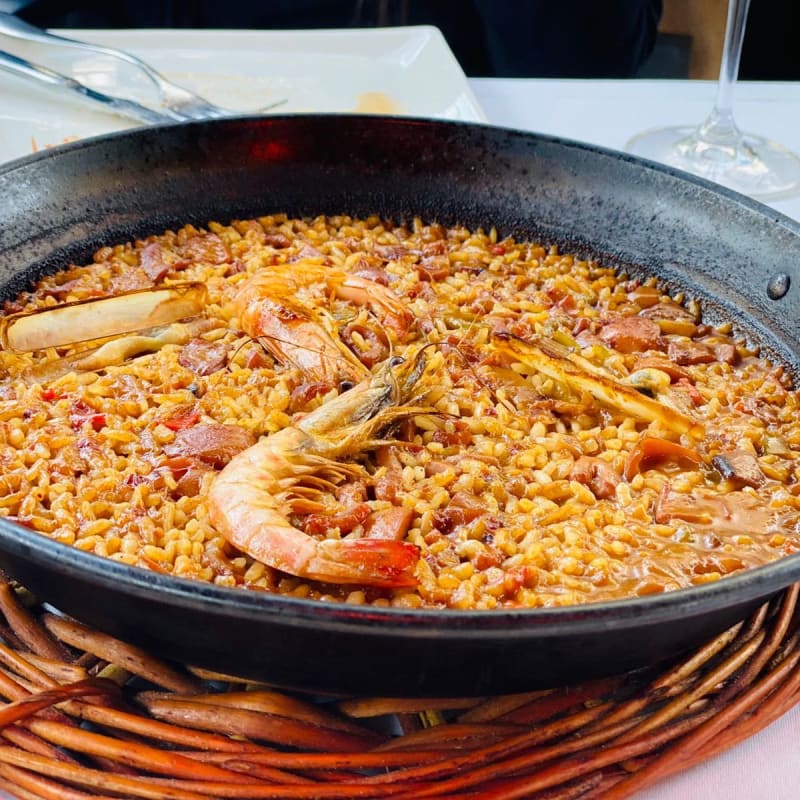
119	350
558	363
85	320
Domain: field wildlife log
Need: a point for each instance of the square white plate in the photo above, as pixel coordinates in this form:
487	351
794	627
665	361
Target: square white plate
407	71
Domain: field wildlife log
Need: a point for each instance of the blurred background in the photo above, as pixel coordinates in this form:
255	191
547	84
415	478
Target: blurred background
500	38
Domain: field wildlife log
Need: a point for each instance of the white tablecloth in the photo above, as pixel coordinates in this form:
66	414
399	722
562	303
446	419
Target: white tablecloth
608	113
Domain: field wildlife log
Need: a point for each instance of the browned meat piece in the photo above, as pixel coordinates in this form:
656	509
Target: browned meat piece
460	435
672	318
306	251
351	493
346	521
437	248
208	248
758	408
391	252
129	281
461	509
684	351
597	474
151	261
433	268
277	240
725	352
632	335
732	513
187	472
212	443
372	273
389	523
203	357
739	466
308	390
387	485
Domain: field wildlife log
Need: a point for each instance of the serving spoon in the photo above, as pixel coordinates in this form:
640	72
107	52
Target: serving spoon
176	101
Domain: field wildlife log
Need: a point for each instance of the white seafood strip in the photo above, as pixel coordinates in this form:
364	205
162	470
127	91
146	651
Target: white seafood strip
98	318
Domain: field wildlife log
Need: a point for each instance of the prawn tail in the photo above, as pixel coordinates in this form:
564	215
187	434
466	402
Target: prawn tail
380	563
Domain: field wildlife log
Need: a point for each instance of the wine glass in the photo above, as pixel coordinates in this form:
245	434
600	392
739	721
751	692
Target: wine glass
717	149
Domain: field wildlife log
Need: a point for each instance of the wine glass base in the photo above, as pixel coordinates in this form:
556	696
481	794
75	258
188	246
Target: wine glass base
752	165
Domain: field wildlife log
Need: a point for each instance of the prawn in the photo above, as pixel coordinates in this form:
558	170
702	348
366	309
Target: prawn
251	499
555	362
292	332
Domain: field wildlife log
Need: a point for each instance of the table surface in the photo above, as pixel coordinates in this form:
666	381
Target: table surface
609	113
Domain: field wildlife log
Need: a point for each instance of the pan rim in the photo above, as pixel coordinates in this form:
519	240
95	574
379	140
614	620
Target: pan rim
88	142
750	584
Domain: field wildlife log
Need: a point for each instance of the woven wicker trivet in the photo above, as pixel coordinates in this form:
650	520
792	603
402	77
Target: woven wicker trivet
89	716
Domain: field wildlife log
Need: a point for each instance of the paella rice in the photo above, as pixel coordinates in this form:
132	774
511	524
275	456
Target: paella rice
564	434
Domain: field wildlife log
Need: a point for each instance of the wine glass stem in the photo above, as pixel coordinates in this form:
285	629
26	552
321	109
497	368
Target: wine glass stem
720	125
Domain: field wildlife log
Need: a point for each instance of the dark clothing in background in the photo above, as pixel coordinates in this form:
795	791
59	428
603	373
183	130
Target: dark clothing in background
770	42
504	38
567	39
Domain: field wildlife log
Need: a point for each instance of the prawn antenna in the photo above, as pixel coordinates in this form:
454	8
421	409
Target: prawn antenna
507	404
247	340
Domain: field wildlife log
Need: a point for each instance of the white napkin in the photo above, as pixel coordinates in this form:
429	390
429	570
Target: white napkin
764	767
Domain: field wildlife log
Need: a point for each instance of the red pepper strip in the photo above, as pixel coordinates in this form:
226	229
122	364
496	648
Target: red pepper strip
650	450
183	419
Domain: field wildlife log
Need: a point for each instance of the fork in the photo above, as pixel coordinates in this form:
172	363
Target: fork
177	99
117	105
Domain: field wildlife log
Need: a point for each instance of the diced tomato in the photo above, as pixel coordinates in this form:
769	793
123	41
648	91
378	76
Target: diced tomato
98	421
51	394
81	414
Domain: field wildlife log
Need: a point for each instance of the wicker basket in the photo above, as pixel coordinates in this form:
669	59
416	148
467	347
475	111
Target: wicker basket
87	715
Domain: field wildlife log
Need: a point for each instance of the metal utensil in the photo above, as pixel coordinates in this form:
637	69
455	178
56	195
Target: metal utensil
173	98
118	105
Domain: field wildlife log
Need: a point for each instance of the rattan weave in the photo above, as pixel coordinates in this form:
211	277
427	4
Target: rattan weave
85	715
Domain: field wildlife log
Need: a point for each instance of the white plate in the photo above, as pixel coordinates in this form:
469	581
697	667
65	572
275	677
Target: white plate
408	71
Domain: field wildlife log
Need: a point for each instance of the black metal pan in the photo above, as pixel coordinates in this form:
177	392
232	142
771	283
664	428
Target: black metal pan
740	258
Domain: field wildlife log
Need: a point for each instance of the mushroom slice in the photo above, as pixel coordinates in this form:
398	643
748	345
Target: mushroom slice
100	318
